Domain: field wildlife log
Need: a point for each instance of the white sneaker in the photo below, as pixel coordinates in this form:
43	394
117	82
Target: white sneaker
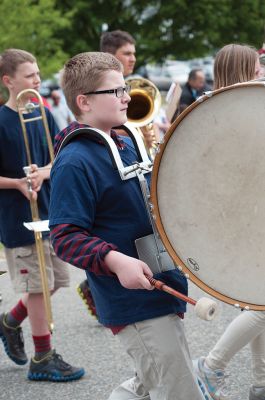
257	393
214	380
204	390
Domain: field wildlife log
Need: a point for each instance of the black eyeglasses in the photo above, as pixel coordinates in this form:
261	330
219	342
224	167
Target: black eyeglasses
119	92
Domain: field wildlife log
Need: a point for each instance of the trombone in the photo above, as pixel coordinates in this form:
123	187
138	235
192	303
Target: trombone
28	108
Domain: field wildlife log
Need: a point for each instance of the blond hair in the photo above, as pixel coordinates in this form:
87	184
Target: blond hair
83	73
10	59
234	63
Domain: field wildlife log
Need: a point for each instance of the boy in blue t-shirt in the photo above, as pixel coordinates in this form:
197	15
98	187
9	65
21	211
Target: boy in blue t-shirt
19	71
95	218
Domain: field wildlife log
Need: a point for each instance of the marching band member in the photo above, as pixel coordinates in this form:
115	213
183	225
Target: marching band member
122	45
19	71
95	218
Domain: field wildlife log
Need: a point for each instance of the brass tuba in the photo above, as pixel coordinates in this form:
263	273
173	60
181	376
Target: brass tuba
143	107
29	107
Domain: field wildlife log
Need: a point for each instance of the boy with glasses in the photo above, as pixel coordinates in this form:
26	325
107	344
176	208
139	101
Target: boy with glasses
121	44
95	218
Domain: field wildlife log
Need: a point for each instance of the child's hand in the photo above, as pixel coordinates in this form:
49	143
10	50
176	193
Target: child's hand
130	271
22	186
36	177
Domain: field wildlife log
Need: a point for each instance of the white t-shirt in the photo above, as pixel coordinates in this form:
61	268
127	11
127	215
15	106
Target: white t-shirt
62	115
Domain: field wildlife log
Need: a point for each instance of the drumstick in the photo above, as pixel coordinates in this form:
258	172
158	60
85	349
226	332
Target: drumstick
162	286
205	308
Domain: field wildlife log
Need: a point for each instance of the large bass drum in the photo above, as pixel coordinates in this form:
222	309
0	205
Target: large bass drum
208	194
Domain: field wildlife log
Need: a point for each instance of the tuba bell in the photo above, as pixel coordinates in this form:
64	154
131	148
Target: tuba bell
143	107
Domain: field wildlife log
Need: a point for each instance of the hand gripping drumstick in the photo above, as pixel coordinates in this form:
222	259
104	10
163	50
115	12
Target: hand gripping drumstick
205	308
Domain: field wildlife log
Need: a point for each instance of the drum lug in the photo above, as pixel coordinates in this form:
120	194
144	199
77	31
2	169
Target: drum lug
151	207
208	94
157	150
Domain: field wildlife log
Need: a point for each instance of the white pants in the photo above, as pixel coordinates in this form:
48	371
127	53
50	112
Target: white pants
248	327
162	362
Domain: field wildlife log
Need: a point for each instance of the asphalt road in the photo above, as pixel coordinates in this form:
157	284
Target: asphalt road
83	342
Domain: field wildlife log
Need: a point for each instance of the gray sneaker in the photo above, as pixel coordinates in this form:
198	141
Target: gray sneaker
53	368
257	393
214	380
13	341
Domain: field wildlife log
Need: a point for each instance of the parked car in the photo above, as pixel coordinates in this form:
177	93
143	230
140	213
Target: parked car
162	75
179	71
159	75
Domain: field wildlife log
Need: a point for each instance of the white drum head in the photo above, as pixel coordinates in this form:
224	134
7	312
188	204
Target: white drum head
208	192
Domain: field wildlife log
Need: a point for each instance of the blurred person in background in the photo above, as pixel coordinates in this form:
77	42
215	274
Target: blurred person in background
60	110
161	123
122	45
193	88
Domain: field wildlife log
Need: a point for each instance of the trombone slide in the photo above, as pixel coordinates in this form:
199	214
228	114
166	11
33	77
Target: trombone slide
40	254
22	108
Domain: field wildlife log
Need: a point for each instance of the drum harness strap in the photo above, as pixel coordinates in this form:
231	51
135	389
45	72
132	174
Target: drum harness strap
150	248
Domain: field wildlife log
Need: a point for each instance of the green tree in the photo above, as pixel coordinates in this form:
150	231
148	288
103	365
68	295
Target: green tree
54	30
33	26
177	29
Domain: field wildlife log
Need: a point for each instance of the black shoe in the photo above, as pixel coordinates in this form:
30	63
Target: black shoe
85	293
13	342
53	368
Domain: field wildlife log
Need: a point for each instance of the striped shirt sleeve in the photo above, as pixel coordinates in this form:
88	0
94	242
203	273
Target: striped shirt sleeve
78	247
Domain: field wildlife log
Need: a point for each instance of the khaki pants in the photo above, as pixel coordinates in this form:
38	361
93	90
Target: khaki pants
162	362
24	270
